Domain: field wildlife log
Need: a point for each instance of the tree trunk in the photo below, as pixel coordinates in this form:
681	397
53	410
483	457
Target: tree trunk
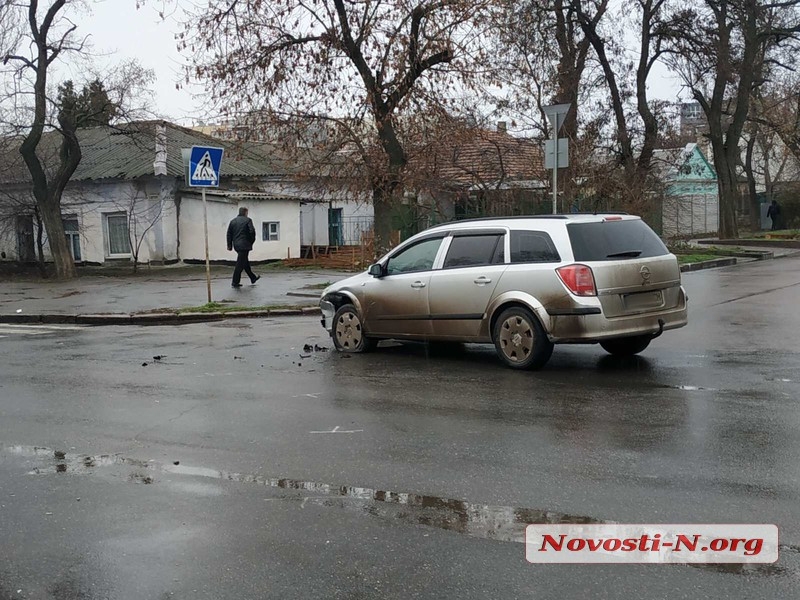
48	193
382	203
387	186
57	240
40	242
728	201
755	208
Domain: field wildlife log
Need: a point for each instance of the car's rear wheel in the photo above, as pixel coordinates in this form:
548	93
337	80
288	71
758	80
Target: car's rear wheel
348	331
520	339
626	346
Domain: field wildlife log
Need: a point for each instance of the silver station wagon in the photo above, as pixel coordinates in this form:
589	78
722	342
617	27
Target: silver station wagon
520	283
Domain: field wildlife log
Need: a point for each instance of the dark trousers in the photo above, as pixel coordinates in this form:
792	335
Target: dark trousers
242	264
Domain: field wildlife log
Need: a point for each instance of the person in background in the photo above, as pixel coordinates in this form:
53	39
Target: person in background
774	213
241	236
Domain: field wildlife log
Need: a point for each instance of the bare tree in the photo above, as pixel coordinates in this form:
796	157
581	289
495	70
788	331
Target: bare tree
725	50
651	35
48	121
51	35
142	215
544	56
370	62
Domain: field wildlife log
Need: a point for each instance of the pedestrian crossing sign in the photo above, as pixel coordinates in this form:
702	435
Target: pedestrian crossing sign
204	166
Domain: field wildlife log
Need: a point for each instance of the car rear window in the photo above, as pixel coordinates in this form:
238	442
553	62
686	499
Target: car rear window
532	247
614	240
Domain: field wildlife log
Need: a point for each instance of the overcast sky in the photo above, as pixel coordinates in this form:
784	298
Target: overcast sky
117	27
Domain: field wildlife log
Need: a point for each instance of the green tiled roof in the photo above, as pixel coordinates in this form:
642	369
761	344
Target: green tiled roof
129	151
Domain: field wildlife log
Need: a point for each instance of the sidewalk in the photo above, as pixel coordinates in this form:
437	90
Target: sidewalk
156	295
777	250
158	290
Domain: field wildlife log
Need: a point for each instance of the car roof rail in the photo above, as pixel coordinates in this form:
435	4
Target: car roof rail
476	219
613	212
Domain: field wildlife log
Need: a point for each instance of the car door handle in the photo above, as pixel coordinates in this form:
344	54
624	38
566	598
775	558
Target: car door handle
418	284
482	280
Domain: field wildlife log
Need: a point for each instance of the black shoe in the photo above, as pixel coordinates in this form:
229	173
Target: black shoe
236	285
256	279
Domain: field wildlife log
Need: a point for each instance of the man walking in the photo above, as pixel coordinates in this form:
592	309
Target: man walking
774	213
241	236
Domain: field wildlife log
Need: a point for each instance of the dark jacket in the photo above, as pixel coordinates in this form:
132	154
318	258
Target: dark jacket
241	234
773	211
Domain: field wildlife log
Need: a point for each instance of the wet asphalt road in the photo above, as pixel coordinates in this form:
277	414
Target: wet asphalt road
394	474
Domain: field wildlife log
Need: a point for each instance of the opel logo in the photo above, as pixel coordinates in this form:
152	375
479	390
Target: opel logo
645	273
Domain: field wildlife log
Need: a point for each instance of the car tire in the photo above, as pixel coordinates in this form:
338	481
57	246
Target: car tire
348	331
520	340
626	346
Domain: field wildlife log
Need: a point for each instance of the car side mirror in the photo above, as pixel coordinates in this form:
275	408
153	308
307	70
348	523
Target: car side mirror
376	270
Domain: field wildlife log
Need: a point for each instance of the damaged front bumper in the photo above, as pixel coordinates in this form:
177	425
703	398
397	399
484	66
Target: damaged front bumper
328	310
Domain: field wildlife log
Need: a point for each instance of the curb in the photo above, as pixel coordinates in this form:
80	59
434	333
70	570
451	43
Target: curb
166	318
774	243
709	264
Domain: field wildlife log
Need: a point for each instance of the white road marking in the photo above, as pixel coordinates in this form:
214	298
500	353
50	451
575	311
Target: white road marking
337	430
10	329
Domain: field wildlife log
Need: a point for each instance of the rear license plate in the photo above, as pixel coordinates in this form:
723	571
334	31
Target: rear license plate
639	300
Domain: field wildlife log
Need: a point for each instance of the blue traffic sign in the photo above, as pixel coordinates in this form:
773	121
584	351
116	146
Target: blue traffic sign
204	165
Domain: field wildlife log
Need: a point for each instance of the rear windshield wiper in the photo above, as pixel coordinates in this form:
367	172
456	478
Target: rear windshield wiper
628	254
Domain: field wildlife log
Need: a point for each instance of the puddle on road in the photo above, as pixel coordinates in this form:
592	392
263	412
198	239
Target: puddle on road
502	523
499	523
686	388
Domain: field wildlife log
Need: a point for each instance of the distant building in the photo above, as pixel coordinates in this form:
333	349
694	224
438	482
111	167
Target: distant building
691	205
693	121
129	197
482	172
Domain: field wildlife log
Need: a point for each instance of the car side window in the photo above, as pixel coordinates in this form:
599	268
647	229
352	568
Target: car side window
418	257
472	251
532	247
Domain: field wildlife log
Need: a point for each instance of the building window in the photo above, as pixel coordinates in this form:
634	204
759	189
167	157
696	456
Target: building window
271	231
117	240
72	232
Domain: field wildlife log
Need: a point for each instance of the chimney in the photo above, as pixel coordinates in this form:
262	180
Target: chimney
501	127
160	164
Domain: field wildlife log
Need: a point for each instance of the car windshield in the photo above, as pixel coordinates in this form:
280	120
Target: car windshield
614	240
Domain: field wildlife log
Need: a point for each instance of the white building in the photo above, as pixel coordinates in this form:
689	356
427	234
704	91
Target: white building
128	200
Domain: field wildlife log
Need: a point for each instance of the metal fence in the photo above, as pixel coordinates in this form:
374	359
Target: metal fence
355	230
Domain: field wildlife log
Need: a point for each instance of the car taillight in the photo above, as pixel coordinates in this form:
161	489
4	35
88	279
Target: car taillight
579	279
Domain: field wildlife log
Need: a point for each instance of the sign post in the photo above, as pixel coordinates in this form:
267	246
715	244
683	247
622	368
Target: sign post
204	168
558	157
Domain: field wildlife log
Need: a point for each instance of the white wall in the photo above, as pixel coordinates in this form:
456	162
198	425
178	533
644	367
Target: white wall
319	196
8	243
314	223
697	214
356	217
147	203
220	213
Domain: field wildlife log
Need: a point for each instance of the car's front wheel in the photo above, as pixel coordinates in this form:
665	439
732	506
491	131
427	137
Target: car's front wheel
348	331
627	346
520	339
